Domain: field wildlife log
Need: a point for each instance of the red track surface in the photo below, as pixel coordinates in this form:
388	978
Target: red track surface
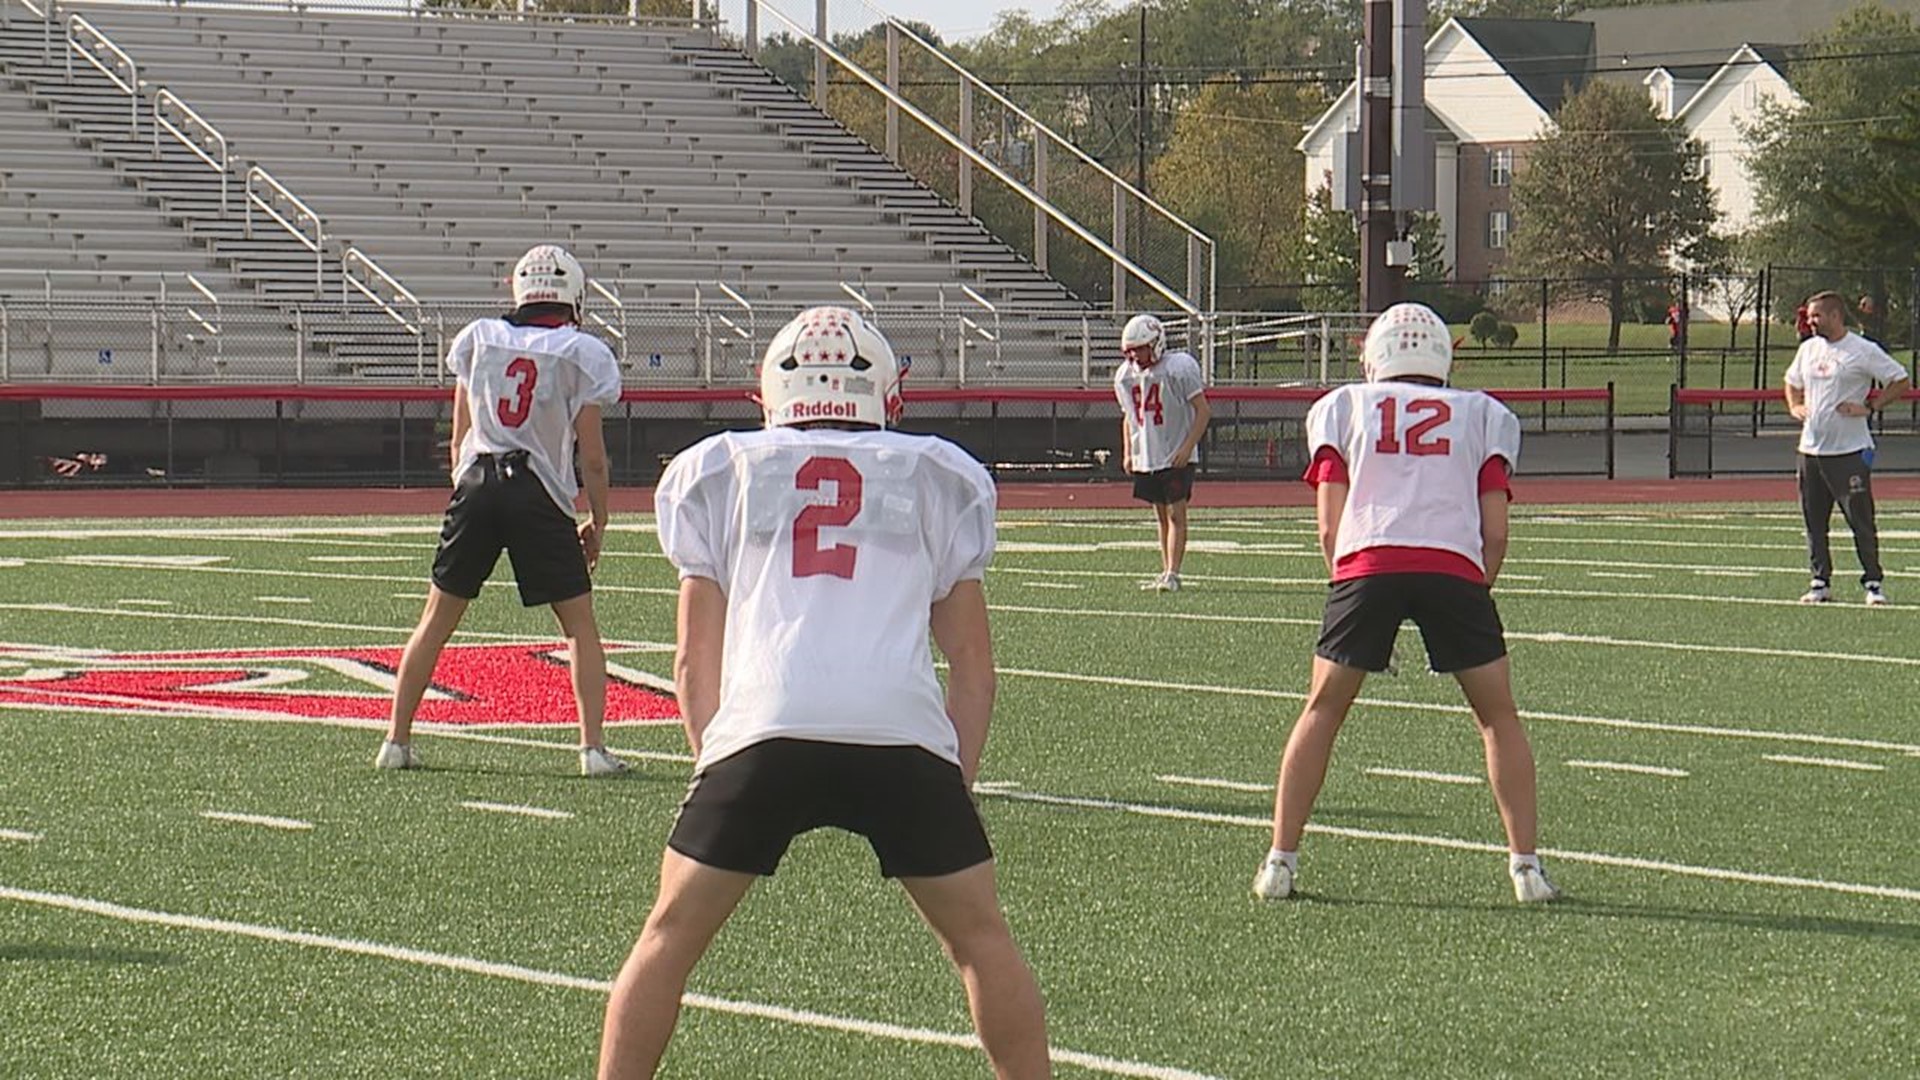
283	502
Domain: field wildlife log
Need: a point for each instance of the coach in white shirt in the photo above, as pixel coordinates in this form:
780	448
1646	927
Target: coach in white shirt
1829	388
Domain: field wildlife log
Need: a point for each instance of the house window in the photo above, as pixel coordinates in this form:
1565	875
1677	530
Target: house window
1500	167
1706	161
1497	229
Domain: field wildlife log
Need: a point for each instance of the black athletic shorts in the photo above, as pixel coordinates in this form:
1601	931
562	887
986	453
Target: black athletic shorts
1166	487
500	504
1456	617
913	807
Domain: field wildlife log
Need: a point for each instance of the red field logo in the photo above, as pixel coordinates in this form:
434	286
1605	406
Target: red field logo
473	684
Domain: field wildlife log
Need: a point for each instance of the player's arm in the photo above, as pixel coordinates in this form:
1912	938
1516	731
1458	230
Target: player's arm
1493	531
1126	443
1329	501
1202	416
696	659
1796	401
591	439
462	421
1890	393
959	622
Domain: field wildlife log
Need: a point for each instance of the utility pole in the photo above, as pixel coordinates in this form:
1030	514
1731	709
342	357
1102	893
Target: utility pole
1380	284
1141	128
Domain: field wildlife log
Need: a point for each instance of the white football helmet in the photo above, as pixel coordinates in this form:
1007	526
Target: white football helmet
829	364
1407	339
549	274
1145	330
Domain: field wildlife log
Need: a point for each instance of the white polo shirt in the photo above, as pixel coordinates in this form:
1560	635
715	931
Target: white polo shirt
1833	372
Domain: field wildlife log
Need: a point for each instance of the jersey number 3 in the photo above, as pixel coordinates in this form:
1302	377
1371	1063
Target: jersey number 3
1419	438
809	558
514	411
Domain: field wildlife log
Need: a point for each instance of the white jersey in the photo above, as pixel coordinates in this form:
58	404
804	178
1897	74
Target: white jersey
830	546
1832	372
1158	404
1414	454
525	385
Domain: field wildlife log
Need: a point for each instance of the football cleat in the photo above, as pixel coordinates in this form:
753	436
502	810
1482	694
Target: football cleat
1531	885
394	755
1817	593
599	761
1275	880
1876	594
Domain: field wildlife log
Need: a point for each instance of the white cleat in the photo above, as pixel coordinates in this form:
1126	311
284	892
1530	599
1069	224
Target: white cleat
1170	582
1817	593
395	755
1154	584
1275	880
599	761
1876	595
1531	886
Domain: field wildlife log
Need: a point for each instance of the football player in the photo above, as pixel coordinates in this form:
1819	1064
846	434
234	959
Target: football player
1411	488
530	387
815	555
1163	413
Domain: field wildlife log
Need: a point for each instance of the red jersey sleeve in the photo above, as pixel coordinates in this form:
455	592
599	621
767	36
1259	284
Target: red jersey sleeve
1493	477
1328	467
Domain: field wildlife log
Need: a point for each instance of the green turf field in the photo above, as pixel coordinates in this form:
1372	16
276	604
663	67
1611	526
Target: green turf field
1730	794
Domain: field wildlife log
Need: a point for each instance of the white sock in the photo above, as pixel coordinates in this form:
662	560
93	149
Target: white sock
1516	862
1291	858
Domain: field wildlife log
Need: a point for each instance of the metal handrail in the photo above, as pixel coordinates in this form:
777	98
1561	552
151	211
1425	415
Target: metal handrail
1208	245
163	97
1059	216
302	212
619	332
861	299
354	258
98	39
212	328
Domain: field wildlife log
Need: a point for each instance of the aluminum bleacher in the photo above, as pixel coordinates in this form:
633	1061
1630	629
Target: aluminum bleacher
438	149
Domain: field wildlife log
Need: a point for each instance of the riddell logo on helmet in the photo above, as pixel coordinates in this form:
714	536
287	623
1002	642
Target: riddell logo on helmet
823	410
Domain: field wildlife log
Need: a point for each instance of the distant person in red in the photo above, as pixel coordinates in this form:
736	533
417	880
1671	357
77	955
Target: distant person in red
1802	322
1676	325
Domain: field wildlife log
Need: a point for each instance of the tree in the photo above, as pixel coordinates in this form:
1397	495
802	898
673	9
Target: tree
1230	169
1329	256
1834	177
1611	194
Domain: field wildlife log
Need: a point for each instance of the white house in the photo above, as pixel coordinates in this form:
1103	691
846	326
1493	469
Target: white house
1492	86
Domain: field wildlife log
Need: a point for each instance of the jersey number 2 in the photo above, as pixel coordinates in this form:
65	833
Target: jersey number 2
514	411
1419	439
809	558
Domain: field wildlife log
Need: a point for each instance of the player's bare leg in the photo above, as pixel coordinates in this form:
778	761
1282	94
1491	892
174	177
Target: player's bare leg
1303	766
1489	690
438	620
964	911
587	660
694	902
1173	540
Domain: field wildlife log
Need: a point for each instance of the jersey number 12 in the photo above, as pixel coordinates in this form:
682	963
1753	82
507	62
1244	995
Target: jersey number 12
1419	438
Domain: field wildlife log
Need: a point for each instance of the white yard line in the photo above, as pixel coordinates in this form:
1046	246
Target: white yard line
1628	767
361	558
283	599
1626	577
145	603
1545	637
269	620
1422	774
289	824
1216	782
21	836
523	811
253	571
1825	763
535	977
1629	862
1427	706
